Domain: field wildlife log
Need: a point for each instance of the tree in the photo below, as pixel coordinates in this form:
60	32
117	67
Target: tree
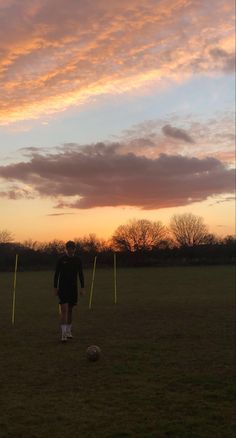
91	243
55	247
230	240
139	235
6	236
189	230
211	239
31	244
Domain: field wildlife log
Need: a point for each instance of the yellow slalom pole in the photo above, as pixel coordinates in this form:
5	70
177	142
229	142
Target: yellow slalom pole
14	293
92	284
115	279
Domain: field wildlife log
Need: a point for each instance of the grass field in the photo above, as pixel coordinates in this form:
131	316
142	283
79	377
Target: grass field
167	365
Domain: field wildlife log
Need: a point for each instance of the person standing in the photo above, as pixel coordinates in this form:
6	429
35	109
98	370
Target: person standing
68	267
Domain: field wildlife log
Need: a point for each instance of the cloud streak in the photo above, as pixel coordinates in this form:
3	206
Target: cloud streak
177	133
100	176
56	54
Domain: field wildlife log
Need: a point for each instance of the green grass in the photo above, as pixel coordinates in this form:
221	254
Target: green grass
167	365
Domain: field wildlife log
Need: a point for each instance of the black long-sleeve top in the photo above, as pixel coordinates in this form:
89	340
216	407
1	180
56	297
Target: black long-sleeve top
66	273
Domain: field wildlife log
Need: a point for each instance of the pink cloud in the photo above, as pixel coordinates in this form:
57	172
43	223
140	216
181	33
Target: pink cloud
99	176
56	53
189	136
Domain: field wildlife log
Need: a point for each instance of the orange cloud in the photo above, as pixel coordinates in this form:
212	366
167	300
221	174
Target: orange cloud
56	53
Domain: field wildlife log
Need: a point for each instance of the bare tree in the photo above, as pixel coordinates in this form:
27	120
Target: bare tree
211	239
55	247
31	244
91	243
138	235
6	236
189	230
229	240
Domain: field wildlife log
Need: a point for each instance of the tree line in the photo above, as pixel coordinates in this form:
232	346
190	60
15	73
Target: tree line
140	242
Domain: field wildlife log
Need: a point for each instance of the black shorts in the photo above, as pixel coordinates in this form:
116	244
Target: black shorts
68	296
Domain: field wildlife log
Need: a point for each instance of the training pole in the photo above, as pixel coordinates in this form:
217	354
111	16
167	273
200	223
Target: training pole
115	279
14	293
92	284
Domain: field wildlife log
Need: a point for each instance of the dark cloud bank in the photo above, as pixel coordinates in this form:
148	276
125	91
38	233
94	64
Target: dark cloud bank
101	175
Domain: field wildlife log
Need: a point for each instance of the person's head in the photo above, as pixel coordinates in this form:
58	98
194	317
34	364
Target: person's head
70	248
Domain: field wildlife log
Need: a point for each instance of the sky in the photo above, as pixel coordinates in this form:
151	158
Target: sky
111	111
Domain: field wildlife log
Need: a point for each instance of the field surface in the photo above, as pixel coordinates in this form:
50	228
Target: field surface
167	365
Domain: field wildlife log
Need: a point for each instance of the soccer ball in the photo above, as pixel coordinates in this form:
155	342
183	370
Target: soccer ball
93	353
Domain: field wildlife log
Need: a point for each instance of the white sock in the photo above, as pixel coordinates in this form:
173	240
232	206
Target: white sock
68	328
63	329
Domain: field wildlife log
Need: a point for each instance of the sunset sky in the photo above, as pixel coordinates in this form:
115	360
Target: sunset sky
114	110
